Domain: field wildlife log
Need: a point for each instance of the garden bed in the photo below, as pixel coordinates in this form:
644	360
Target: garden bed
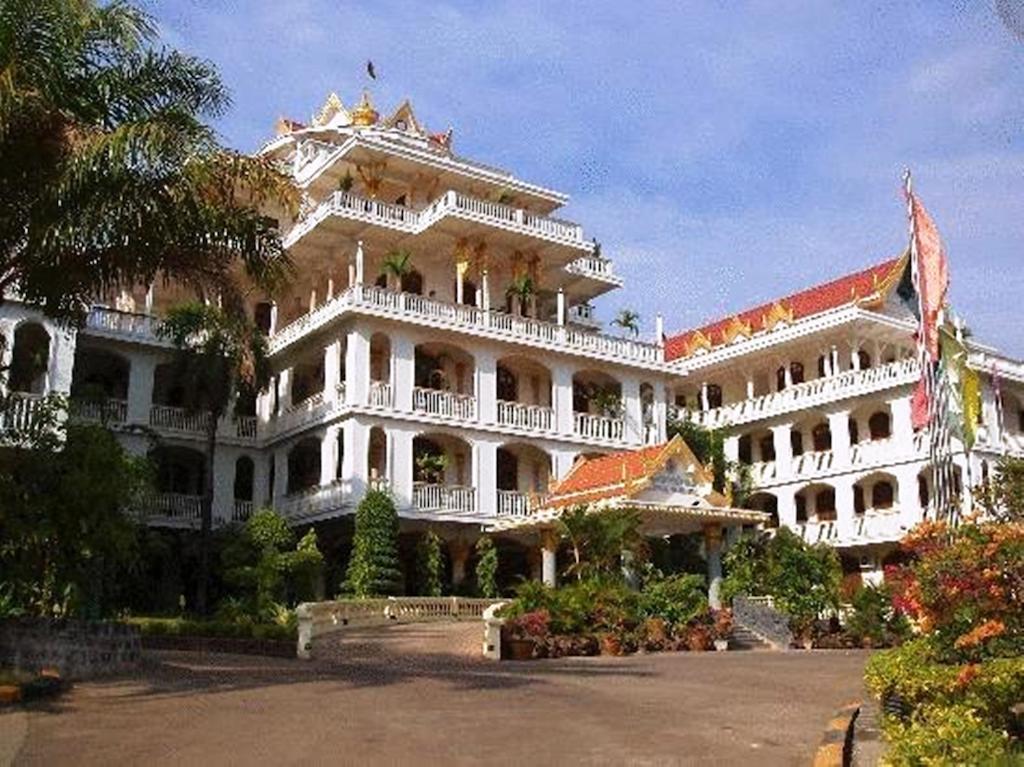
241	637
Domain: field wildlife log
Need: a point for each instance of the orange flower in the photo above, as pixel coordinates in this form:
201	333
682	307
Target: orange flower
966	675
984	632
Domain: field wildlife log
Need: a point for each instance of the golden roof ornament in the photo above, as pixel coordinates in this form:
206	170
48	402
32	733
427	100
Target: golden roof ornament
364	114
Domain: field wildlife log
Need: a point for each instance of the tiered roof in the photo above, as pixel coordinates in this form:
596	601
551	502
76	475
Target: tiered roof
867	287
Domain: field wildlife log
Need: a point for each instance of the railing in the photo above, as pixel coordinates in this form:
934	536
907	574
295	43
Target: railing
595	267
309	410
407	307
522	416
445	498
178	419
813	463
176	506
103	411
582	314
599	427
319	499
245	426
444	403
19	411
142	327
380	394
241	511
512	503
872	451
851	383
651	433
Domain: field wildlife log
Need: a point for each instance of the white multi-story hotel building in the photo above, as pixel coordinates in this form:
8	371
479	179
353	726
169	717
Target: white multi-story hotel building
469	379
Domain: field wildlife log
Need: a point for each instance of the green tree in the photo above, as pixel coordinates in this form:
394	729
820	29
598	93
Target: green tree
66	538
1005	498
374	568
628	320
219	356
109	174
519	292
396	266
708	445
487	567
599	539
429	565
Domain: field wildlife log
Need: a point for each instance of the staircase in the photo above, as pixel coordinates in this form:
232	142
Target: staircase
742	638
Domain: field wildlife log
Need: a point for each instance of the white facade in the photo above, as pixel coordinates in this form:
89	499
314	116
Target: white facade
374	371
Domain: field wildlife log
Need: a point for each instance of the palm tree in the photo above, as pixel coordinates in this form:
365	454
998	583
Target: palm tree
629	320
109	173
599	539
520	290
397	264
219	356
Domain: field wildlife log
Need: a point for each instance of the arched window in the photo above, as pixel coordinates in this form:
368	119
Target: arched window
30	359
746	449
865	359
244	471
767	447
854	431
858	499
923	494
822	361
412	282
825	504
468	292
796	442
507	389
801	507
780	378
304	465
821	436
714	396
796	372
879	425
882	495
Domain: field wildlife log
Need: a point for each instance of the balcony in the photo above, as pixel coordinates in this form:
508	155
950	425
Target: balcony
451	204
512	503
456	499
444	403
107	411
315	501
852	383
429	312
599	427
179	419
381	394
595	268
104	321
173	509
521	416
869	527
583	315
19	411
241	511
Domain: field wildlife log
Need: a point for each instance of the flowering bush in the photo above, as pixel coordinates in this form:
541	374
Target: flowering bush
965	588
532	625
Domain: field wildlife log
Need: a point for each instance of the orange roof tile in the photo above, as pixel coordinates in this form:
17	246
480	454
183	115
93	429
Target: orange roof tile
821	298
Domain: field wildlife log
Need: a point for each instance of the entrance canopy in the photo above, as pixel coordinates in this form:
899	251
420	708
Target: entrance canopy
665	484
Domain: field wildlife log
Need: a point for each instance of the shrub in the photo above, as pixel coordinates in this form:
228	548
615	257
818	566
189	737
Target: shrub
429	565
245	629
487	568
874	620
947	735
374	567
677	599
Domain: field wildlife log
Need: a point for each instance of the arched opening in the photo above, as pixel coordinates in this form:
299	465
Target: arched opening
796	375
854	430
469	290
768	503
596	393
877	492
524	380
30	359
924	494
307	378
304	465
380	358
745	449
377	454
796	372
765	446
179	470
444	367
441	473
883	495
796	442
714	396
821	437
816	502
523	471
647	411
864	359
245	471
412	282
168	388
99	384
880	425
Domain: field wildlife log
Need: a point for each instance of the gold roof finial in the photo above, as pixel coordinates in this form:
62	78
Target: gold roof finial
364	114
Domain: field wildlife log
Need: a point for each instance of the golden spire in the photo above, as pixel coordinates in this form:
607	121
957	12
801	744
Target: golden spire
364	114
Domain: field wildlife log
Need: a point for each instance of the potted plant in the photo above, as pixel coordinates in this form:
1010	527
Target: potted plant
526	633
345	182
698	637
721	629
519	292
432	467
396	265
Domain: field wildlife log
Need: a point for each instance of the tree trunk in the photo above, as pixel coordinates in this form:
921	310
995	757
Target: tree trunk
206	526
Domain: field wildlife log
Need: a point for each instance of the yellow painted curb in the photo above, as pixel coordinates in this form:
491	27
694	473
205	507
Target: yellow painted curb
833	751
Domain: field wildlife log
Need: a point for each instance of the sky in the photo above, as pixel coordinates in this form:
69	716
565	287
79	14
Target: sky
724	153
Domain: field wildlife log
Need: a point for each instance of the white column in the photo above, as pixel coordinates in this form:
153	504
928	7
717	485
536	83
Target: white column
783	450
661	412
485	476
280	473
906	493
273	319
400	464
713	555
485	299
902	425
223	484
788	374
561	307
633	429
704	396
838	424
731	447
357	366
259	481
140	388
659	330
460	286
359	263
149	299
403	354
486	389
836	370
561	382
562	461
787	506
329	456
750	388
332	370
549	558
855	357
284	390
355	463
845	514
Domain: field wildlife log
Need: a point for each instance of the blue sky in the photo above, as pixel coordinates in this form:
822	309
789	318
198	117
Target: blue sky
723	153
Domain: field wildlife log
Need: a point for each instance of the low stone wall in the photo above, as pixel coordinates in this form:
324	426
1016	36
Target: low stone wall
764	620
269	647
76	648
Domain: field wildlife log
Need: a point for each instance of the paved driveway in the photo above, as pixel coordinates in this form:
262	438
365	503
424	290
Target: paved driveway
402	695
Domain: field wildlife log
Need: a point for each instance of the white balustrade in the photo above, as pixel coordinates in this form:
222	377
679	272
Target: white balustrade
319	499
522	416
245	426
443	498
594	267
178	419
19	411
852	383
512	503
241	511
141	327
381	394
813	463
444	403
599	427
175	506
102	411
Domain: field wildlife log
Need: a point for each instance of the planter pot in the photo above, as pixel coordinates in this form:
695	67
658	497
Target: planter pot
520	649
721	645
610	645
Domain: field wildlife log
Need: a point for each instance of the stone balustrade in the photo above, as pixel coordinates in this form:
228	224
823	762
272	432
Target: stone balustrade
447	404
103	320
19	411
595	268
112	411
177	509
599	427
430	497
314	501
522	416
512	503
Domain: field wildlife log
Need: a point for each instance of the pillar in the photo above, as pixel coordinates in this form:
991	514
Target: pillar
787	507
400	464
846	518
659	330
633	430
403	372
838	424
485	300
704	396
332	370
355	463
836	370
329	456
855	357
273	319
902	425
561	307
486	389
485	476
140	388
149	299
783	449
284	390
713	554
460	285
750	388
458	551
280	473
359	263
549	558
357	367
561	383
731	447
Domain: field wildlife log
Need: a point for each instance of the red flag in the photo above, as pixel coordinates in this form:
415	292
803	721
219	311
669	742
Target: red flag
932	274
919	406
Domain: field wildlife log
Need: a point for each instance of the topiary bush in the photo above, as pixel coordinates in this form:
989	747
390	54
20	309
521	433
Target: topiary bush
429	565
487	568
374	569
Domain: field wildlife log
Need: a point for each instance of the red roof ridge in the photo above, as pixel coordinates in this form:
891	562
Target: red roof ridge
841	291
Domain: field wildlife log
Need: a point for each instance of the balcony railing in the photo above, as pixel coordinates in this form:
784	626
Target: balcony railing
583	314
174	506
140	327
444	403
594	267
521	416
381	394
241	511
102	411
19	411
599	427
178	419
428	311
444	498
871	526
313	501
813	463
852	383
512	503
450	204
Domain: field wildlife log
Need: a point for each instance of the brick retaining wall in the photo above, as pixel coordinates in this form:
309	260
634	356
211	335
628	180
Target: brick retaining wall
76	648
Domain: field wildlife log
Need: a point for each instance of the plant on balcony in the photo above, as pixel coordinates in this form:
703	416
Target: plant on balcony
432	467
429	565
101	123
519	292
487	568
396	266
218	355
628	321
374	568
345	182
607	402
